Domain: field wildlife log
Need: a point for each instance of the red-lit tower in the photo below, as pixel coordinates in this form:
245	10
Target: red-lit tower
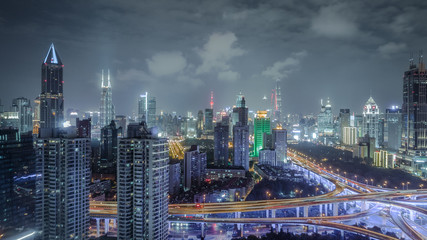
212	103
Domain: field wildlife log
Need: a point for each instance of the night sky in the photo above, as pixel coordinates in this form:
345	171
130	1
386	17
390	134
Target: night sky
181	50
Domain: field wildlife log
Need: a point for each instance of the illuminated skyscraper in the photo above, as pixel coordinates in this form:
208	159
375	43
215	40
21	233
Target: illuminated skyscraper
325	120
208	126
221	137
370	126
241	145
143	185
51	97
107	108
280	145
393	128
261	126
413	152
23	107
147	109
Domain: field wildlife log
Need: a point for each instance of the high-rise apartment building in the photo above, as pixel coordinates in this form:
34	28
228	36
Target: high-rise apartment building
62	187
143	185
107	108
261	126
51	96
344	120
349	136
241	145
109	143
208	126
280	145
195	164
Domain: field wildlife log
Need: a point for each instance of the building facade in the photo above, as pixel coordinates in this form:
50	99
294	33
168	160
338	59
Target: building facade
195	164
107	108
221	138
261	125
143	185
371	125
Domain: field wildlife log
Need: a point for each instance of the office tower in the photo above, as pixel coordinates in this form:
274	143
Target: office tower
349	136
9	120
121	122
83	127
370	126
413	152
240	114
25	113
51	97
393	128
208	120
107	108
280	145
261	126
17	171
62	187
147	109
199	123
36	117
143	185
191	127
241	145
195	164
344	118
174	177
109	142
221	135
325	120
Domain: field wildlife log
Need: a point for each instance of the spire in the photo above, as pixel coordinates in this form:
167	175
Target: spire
52	56
102	78
421	62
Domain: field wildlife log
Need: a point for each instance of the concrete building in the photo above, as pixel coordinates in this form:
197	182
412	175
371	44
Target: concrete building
280	145
221	138
214	174
143	185
371	121
174	177
393	128
147	109
195	164
383	159
267	157
349	136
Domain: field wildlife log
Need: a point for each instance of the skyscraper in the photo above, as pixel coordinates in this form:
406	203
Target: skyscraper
51	97
325	120
147	109
143	185
199	123
208	120
413	152
17	158
221	135
371	120
344	120
194	167
107	108
109	136
280	145
240	112
393	128
241	145
25	113
261	126
83	127
62	187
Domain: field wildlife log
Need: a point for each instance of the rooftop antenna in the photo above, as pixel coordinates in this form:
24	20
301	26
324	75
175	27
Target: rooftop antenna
109	83
102	78
411	60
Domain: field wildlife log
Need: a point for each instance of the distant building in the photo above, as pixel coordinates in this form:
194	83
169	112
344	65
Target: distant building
147	109
349	136
325	121
83	127
261	126
267	157
109	143
241	145
280	145
214	174
25	113
121	122
383	159
199	124
143	185
240	112
393	128
195	164
174	177
344	120
364	148
107	108
371	120
221	139
208	126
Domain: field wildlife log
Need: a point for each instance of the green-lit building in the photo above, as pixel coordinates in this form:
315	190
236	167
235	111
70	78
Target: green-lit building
261	126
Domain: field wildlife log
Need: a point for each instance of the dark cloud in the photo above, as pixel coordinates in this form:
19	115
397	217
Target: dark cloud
181	50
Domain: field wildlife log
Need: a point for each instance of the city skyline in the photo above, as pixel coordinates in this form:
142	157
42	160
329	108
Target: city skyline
227	46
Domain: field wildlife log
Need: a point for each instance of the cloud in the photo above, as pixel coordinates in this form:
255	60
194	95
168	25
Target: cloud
133	75
192	81
281	69
166	63
403	23
229	76
217	52
332	21
391	48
